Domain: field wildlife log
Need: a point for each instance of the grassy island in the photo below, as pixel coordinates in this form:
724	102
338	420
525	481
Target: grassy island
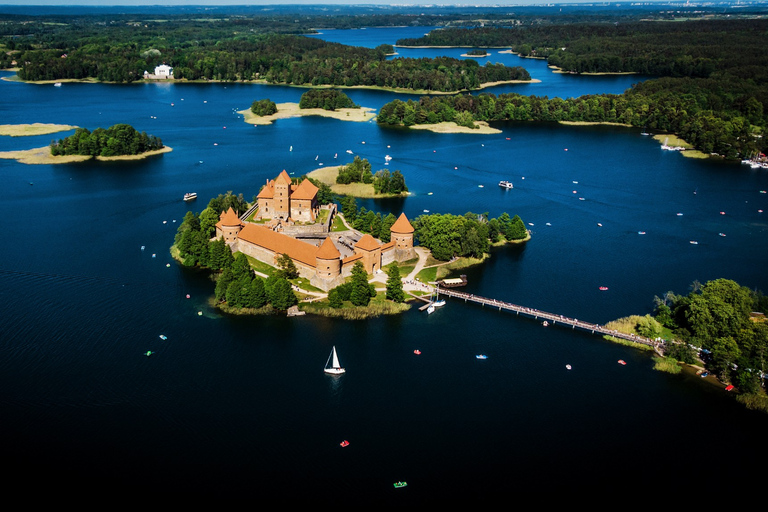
356	179
288	110
43	156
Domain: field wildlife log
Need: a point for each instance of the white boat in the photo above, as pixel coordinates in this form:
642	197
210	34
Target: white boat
57	84
189	196
506	184
481	356
431	309
332	366
439	303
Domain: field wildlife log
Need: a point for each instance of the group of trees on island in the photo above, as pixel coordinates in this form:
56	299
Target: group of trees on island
383	181
237	285
326	99
117	140
265	107
469	235
718	318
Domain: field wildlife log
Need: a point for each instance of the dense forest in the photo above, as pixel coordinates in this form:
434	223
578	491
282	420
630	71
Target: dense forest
712	90
726	323
117	140
230	51
695	109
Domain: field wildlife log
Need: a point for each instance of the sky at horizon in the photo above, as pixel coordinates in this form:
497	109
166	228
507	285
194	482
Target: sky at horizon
188	3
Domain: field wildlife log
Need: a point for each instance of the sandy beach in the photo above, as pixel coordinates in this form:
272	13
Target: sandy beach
450	127
287	110
43	156
21	130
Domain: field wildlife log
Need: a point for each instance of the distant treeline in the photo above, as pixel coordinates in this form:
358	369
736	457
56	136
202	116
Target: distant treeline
695	109
283	59
686	48
117	140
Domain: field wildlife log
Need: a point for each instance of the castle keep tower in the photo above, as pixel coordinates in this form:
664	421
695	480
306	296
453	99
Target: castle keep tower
402	236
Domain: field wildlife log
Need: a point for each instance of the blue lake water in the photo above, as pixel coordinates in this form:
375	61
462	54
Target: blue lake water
228	406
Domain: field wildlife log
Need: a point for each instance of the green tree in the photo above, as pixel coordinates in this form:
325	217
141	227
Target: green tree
287	268
361	292
394	284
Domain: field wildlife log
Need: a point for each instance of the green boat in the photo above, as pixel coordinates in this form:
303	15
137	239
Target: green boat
400	484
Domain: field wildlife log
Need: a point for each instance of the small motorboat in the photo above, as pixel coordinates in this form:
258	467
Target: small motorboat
705	374
417	352
622	362
400	484
694	242
545	323
729	387
721	234
599	224
506	184
641	232
344	443
189	196
57	84
603	288
148	353
163	337
431	309
438	303
481	356
567	367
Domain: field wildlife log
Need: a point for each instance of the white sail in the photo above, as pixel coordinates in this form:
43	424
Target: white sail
335	368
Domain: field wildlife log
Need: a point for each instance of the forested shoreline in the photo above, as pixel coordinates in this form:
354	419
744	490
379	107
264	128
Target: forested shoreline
695	109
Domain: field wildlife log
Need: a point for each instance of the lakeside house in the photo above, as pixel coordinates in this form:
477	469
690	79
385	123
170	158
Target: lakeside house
162	72
324	258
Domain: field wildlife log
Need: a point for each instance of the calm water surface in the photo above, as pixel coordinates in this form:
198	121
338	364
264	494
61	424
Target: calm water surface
228	406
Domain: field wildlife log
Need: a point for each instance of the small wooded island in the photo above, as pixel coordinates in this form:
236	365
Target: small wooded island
323	102
119	142
116	141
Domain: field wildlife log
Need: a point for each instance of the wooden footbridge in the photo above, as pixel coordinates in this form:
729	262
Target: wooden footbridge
551	318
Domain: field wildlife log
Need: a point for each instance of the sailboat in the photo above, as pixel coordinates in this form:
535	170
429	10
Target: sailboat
333	360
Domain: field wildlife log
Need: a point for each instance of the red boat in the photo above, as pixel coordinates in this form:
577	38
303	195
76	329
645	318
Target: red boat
729	387
344	443
417	352
603	288
622	362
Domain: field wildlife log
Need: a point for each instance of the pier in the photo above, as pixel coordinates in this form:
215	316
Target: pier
551	318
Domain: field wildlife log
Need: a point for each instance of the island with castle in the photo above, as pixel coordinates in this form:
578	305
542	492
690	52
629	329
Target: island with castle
286	234
285	224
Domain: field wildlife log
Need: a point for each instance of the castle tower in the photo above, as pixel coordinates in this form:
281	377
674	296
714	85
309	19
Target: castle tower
328	260
229	225
402	234
282	197
371	251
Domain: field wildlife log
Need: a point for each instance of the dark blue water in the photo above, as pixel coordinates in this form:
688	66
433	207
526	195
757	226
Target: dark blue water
228	406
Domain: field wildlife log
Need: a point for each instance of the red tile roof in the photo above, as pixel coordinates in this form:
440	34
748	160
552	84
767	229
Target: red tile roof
229	218
279	243
402	225
367	243
305	190
328	251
